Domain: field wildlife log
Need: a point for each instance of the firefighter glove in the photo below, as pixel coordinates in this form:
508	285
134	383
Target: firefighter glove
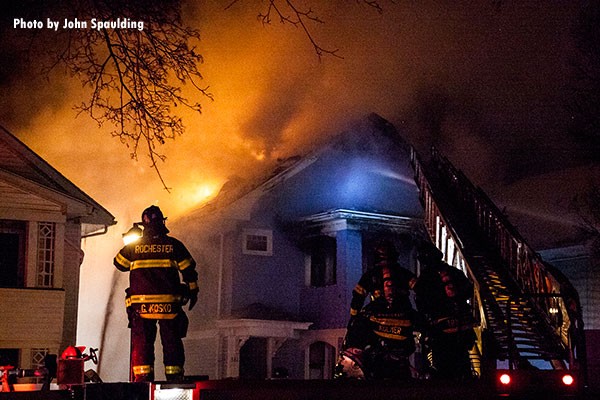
193	298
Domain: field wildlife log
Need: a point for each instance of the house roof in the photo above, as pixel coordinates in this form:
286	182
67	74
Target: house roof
372	136
18	160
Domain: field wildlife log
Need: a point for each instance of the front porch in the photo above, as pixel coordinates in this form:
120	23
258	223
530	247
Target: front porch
247	346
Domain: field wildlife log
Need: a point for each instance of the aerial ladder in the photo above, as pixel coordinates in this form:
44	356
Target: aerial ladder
529	315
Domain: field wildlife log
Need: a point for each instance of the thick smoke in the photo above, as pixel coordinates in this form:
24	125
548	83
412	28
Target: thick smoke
486	78
484	83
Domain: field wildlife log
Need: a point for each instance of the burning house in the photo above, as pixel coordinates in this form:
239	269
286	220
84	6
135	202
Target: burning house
278	259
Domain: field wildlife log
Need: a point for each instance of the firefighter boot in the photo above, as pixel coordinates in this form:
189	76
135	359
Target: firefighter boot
143	373
174	373
144	378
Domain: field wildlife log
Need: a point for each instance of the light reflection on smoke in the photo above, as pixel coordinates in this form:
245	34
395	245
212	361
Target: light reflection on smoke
541	215
394	175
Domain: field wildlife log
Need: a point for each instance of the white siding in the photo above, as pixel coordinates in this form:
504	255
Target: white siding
33	318
201	356
16	203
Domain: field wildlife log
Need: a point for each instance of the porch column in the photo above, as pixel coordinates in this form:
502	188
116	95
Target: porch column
233	344
273	344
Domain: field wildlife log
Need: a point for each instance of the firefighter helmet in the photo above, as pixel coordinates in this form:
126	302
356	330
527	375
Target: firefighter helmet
428	252
152	215
72	352
386	251
154	220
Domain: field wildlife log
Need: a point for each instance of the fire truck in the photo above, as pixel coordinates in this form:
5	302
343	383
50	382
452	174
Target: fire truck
530	327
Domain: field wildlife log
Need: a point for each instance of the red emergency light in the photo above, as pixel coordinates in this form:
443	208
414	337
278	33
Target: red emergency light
521	381
568	379
504	379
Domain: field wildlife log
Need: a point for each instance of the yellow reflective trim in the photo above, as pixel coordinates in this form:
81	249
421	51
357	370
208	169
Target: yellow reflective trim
122	261
153	264
360	290
154	298
157	316
390	336
391	321
193	285
184	264
412	283
173	369
142	369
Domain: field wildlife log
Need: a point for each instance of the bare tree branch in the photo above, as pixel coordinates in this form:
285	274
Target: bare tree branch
135	76
289	12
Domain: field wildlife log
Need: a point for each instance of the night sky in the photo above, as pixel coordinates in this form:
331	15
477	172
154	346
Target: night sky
485	81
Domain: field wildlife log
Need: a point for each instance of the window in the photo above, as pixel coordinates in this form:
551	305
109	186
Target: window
322	254
38	357
9	357
257	242
12	253
46	238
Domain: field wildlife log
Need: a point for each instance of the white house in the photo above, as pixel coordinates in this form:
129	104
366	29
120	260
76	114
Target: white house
43	218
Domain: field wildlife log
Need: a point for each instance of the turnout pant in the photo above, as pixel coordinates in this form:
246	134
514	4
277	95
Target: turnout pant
143	336
450	353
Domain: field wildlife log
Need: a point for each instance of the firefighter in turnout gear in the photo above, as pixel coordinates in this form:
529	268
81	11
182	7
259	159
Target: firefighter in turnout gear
380	335
377	280
157	265
442	295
